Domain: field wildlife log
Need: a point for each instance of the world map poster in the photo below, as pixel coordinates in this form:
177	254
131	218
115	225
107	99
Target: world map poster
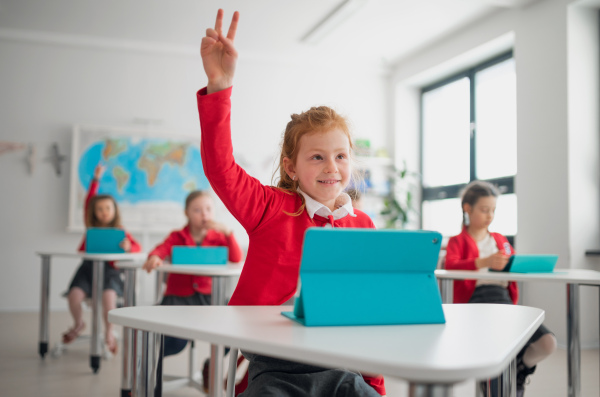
149	174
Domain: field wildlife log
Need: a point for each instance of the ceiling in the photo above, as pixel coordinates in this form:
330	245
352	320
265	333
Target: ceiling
381	30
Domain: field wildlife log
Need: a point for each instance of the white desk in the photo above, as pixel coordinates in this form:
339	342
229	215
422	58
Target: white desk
572	278
219	274
97	287
431	357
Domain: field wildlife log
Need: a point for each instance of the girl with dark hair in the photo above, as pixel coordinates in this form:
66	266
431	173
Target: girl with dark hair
478	248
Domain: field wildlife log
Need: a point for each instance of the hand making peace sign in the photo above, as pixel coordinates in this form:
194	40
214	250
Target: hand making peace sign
219	55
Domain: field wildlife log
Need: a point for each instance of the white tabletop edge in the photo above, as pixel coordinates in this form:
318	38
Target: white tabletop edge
362	363
566	276
230	269
125	256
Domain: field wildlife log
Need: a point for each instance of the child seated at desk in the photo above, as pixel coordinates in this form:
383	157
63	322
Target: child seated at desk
314	169
202	231
100	210
477	248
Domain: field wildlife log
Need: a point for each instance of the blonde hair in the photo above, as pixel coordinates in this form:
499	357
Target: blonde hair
195	194
316	119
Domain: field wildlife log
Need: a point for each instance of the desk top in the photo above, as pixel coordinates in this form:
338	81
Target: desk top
566	276
475	343
128	256
229	270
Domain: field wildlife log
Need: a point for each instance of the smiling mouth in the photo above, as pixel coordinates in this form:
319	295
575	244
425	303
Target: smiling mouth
329	182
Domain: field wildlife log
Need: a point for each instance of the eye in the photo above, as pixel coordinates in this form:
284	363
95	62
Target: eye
317	157
341	156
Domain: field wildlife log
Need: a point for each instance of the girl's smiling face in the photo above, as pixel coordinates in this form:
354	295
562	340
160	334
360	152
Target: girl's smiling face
322	166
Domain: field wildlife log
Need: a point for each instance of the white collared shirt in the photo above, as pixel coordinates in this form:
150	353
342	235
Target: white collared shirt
343	205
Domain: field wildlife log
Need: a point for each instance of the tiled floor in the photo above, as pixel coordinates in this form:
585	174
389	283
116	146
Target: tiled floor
23	373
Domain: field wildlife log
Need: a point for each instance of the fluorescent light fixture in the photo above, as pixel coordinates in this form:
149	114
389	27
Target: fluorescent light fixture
332	20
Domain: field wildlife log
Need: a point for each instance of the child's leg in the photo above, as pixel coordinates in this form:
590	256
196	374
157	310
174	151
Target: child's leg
76	297
109	302
539	350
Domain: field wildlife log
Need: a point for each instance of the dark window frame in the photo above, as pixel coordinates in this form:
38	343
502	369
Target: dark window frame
505	184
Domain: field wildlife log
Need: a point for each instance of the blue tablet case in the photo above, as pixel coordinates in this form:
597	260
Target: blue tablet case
104	240
368	277
531	264
186	255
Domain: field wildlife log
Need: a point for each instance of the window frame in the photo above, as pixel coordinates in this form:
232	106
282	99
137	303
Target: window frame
506	185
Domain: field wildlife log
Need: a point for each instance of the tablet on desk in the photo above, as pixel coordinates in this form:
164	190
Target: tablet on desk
104	240
186	255
530	264
368	277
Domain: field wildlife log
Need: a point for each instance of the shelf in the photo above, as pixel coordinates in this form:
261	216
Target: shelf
592	252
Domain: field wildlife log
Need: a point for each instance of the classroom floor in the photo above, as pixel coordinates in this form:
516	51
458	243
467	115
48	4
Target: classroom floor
23	373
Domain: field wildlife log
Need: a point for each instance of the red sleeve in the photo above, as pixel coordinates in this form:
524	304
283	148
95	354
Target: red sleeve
230	182
377	383
163	250
92	191
135	246
454	260
235	252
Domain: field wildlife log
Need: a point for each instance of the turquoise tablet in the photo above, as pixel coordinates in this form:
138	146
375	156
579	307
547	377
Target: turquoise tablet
531	264
186	255
368	277
104	240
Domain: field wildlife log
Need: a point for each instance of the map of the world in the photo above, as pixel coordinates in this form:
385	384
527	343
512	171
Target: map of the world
148	174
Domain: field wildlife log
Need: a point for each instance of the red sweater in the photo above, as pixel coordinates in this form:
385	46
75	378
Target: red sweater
92	191
461	253
270	273
186	284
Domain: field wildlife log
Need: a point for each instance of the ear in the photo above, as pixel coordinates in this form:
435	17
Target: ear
467	208
288	166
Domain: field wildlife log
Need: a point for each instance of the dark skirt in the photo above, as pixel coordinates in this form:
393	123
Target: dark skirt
85	273
268	376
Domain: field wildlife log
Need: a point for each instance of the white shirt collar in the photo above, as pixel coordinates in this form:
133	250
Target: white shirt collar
343	204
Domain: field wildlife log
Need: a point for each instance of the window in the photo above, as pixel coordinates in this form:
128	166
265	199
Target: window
468	132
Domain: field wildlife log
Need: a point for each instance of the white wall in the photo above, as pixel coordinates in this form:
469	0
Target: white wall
556	53
50	83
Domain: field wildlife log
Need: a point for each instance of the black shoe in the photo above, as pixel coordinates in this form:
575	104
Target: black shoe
523	373
205	373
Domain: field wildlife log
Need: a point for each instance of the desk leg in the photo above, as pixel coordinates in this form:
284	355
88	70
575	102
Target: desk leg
128	349
429	390
573	341
44	305
97	288
503	386
446	290
148	355
215	383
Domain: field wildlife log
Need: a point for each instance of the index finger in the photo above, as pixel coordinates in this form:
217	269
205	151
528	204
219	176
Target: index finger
233	26
219	21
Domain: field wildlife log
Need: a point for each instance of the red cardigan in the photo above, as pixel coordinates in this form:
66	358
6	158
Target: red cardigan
186	284
270	274
92	191
461	253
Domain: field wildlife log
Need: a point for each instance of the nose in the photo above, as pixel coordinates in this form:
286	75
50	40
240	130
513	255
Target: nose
330	167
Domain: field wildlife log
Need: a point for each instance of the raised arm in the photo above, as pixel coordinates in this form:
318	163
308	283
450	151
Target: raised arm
219	55
244	196
93	188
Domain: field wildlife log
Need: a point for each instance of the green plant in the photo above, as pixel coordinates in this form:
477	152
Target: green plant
399	203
